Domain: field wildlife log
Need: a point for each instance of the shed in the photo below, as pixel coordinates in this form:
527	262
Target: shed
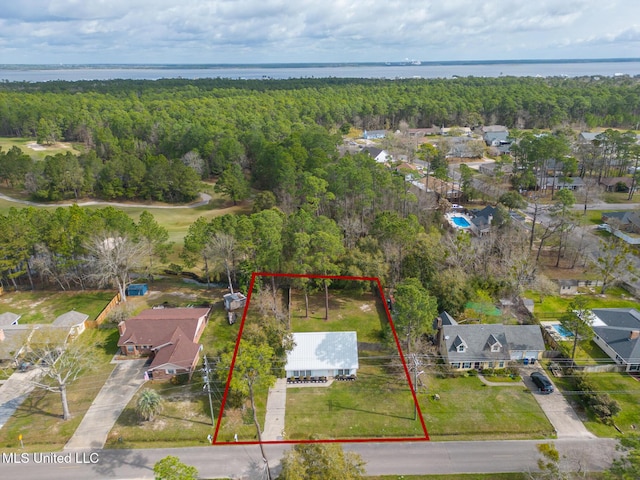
72	320
137	290
323	354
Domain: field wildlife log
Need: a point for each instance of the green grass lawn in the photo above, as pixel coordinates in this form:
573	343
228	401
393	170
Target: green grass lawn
555	304
622	388
378	404
469	410
185	420
348	311
39	418
45	307
6	143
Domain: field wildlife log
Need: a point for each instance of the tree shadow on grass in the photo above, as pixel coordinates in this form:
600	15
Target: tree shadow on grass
31	405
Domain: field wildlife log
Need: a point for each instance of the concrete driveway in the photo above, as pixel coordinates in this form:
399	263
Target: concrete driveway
118	390
561	415
15	390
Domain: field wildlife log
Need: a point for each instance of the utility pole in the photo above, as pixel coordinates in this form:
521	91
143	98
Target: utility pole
415	366
207	386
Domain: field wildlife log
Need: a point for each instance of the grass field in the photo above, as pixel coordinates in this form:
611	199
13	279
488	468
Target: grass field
557	305
45	307
38	152
469	410
622	388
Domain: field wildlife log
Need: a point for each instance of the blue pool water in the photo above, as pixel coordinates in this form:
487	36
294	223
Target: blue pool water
562	331
461	222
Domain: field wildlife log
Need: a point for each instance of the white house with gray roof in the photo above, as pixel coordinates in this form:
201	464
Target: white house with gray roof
617	333
475	346
74	321
323	354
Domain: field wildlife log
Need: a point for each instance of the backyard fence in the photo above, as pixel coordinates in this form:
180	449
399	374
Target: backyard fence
105	311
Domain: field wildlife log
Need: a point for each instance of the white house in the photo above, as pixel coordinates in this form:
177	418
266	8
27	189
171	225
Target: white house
617	333
323	354
72	320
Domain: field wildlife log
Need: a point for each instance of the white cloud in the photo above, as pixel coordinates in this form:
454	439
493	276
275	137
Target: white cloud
211	31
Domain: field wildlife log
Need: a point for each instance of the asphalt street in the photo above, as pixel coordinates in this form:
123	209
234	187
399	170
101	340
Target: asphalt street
241	461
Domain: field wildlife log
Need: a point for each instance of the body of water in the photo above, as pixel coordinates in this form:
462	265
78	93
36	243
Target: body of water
567	68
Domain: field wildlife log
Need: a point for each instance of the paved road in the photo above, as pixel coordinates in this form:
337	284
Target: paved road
204	200
399	458
124	381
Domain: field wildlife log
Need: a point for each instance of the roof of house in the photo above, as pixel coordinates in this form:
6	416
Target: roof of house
179	351
614	327
478	339
323	351
70	319
588	136
373	151
500	136
494	128
625	217
482	218
13	339
613	181
9	318
156	326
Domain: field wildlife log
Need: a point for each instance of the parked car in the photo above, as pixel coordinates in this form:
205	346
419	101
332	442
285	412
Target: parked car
542	382
603	226
455	206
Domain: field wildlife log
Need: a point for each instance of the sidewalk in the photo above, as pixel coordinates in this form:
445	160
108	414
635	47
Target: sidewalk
274	418
118	390
14	391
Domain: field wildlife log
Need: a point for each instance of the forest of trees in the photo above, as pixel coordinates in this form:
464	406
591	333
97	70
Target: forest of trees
154	139
314	211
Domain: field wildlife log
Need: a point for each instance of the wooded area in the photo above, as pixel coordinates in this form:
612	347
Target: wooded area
314	211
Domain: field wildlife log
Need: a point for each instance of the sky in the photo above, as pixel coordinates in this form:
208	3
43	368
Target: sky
303	31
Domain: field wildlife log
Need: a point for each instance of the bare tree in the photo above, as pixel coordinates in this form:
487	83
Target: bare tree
112	258
61	361
193	160
220	250
591	192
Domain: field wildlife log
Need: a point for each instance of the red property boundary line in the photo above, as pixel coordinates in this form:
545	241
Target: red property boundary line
395	337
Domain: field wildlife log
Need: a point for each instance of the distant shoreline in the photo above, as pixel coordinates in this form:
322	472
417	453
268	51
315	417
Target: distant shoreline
213	66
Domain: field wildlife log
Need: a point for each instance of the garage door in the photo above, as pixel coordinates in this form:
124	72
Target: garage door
516	355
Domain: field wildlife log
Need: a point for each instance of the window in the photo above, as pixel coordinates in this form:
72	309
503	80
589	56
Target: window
501	365
456	365
129	348
296	373
495	347
170	371
343	371
490	364
466	365
461	348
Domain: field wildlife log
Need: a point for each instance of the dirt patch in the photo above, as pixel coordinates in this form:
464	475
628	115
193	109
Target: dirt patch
365	307
38	147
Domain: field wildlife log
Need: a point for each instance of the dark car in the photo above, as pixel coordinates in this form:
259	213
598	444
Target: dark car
542	382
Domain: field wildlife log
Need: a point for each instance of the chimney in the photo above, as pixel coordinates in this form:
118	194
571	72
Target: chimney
634	334
122	327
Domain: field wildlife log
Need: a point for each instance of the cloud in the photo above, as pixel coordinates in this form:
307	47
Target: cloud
211	31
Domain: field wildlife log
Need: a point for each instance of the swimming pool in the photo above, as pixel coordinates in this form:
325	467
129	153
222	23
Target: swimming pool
460	221
563	332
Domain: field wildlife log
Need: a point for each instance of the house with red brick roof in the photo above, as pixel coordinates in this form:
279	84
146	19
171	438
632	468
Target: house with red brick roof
168	336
